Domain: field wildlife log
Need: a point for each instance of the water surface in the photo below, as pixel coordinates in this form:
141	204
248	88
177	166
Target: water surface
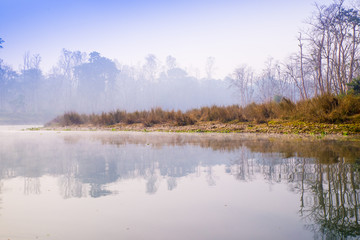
111	185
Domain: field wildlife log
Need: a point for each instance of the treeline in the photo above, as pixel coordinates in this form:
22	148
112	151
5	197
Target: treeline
91	83
327	63
321	109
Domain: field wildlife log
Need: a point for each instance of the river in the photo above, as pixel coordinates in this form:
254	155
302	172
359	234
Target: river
132	185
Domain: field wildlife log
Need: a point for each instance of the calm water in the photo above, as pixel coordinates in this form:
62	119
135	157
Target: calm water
96	185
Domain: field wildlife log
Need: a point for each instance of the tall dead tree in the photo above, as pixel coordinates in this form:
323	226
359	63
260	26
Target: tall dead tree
242	80
332	47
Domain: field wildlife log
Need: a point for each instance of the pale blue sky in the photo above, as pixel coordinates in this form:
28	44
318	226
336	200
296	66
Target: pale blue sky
233	32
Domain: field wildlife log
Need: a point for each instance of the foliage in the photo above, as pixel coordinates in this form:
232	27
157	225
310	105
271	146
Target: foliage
69	118
354	86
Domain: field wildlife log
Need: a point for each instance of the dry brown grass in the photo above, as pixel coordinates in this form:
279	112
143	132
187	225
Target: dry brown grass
322	109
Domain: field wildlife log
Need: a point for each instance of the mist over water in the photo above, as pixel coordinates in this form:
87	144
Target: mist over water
163	185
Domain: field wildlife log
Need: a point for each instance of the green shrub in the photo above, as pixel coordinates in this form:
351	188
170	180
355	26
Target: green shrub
354	86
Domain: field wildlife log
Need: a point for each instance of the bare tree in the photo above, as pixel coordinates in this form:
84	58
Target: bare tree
292	72
301	62
210	67
331	48
35	61
151	67
66	65
26	61
242	79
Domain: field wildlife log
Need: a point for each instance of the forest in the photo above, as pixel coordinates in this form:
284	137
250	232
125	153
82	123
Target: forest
326	64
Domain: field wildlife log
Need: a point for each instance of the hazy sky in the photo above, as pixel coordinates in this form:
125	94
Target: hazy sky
234	32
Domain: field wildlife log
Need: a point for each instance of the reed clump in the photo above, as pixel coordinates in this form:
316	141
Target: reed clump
321	109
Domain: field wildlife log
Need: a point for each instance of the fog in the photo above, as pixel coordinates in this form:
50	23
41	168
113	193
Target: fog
92	83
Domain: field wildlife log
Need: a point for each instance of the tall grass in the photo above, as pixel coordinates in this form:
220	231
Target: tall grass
322	109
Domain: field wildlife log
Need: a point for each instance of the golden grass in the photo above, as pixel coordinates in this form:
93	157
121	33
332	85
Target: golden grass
322	109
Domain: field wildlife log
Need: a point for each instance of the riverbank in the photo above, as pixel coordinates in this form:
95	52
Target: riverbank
271	127
322	115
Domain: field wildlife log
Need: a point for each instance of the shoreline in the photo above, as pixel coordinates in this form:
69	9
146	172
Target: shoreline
270	129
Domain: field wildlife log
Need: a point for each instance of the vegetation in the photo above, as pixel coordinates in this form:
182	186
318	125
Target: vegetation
327	60
315	115
354	86
318	84
85	82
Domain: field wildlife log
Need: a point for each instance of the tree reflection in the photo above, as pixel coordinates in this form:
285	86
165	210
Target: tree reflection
329	192
71	187
31	186
1	188
334	200
171	183
325	174
97	190
152	184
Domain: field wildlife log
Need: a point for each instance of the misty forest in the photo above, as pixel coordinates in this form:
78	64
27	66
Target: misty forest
327	62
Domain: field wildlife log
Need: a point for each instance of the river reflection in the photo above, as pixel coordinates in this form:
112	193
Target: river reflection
323	176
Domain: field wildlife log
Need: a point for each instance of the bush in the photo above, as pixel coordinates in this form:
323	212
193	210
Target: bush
354	86
317	109
349	106
259	113
285	109
183	119
70	118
